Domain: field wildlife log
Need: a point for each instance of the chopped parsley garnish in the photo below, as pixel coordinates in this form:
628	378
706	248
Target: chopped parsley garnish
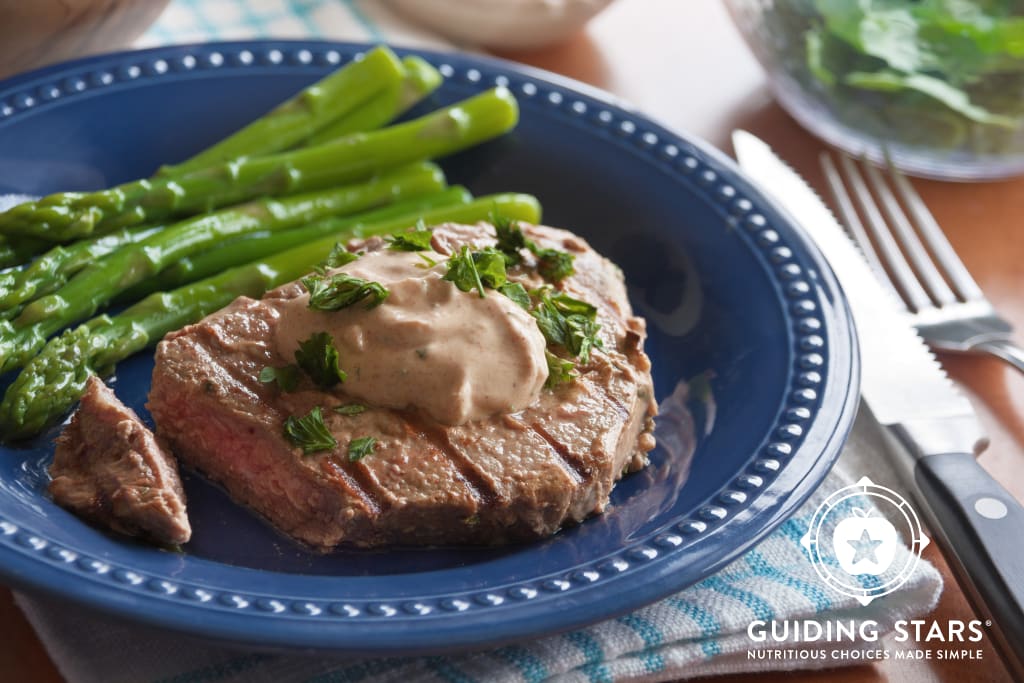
360	448
462	272
490	264
551	323
567	322
332	293
413	240
560	370
552	264
469	270
582	336
350	409
338	257
427	261
510	238
567	304
516	292
309	432
287	377
318	358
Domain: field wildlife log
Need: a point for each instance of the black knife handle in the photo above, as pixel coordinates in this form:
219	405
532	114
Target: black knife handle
983	526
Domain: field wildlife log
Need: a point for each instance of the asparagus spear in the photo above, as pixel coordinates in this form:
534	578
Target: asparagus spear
258	245
14	252
51	383
307	112
351	158
420	80
52	270
96	285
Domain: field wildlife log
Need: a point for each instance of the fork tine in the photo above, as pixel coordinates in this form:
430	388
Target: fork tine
964	285
852	221
905	280
927	273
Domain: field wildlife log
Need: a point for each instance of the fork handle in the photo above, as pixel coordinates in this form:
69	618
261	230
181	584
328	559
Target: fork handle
1004	350
980	524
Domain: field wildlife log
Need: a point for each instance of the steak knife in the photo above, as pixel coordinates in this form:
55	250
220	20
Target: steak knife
978	524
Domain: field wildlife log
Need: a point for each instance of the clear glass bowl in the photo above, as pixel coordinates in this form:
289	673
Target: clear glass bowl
937	86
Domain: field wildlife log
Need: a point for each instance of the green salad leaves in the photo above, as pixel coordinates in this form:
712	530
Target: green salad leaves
938	73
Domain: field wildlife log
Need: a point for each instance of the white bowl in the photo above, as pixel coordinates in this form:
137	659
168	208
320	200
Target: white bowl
503	24
38	32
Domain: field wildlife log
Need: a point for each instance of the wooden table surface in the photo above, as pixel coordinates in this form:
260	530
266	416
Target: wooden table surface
684	64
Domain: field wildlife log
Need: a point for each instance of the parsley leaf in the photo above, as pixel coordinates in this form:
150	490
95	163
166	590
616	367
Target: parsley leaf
318	358
350	409
560	370
338	257
567	322
550	322
309	432
554	265
490	264
582	336
570	306
342	290
360	448
427	261
516	292
413	240
501	222
462	272
287	378
475	270
510	238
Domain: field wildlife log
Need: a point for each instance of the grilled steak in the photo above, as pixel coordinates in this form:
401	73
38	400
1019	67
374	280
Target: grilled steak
505	478
110	469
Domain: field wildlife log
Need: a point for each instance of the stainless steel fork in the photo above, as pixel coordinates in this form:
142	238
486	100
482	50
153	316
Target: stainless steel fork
916	261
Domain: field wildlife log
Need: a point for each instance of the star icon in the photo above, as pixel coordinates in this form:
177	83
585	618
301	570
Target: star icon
864	547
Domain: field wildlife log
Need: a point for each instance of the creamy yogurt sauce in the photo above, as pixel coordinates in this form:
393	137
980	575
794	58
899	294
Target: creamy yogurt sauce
451	354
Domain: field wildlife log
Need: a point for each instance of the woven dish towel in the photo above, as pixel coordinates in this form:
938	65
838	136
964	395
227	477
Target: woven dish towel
697	632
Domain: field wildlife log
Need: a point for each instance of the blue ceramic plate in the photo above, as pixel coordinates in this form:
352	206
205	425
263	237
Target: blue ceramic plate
745	319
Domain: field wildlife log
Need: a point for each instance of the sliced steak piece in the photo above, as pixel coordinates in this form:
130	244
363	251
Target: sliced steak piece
505	478
109	468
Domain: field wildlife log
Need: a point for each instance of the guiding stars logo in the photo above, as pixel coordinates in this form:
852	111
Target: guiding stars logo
853	548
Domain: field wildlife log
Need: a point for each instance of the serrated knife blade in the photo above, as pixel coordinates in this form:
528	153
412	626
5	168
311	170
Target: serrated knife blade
972	515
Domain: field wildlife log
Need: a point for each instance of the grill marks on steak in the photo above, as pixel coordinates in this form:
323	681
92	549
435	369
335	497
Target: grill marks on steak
506	478
110	469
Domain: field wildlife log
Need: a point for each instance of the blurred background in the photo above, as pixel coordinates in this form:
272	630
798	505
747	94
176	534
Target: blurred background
935	86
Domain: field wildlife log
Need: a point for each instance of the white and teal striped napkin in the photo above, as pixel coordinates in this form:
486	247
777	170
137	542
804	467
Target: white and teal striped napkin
700	631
